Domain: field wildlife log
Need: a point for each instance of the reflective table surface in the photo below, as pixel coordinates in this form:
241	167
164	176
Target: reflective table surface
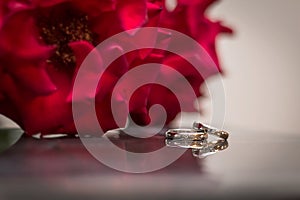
254	165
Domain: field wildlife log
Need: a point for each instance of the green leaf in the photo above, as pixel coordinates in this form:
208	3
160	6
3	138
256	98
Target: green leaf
9	137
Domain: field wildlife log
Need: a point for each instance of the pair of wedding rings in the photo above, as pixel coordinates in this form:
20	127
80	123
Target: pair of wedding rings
197	139
199	132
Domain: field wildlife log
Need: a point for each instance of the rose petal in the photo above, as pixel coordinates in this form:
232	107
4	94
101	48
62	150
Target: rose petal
47	3
95	7
34	79
18	36
93	65
106	19
132	13
154	12
47	114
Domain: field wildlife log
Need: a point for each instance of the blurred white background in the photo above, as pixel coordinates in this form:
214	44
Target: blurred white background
261	64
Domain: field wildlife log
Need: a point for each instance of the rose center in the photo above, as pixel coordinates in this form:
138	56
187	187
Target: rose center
61	28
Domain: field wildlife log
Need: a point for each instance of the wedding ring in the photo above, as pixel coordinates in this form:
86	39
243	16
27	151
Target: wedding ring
210	130
203	146
186	144
200	149
187	134
210	148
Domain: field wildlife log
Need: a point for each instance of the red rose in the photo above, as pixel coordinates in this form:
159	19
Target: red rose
44	42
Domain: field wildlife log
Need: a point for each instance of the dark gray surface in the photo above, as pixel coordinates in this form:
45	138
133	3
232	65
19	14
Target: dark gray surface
255	165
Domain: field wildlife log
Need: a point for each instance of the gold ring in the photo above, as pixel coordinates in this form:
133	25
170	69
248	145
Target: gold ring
210	130
187	134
